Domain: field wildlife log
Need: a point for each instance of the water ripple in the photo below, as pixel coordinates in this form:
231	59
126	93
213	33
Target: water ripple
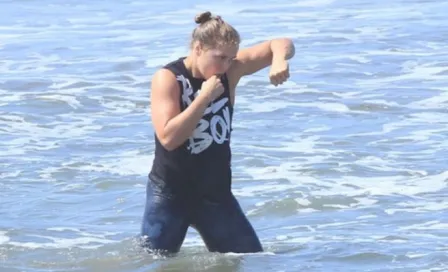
343	167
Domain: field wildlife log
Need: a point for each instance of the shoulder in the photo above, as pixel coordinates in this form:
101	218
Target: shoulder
168	73
164	81
164	74
175	66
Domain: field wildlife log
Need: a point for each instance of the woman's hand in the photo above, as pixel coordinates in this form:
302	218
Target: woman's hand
212	88
279	72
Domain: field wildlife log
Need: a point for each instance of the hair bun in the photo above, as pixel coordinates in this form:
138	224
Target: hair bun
203	17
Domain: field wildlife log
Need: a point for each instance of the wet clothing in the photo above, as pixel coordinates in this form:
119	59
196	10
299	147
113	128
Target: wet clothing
221	224
191	185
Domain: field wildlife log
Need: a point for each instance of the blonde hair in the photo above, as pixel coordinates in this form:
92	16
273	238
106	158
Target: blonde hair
213	31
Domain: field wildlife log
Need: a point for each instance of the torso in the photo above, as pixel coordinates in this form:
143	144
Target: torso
203	162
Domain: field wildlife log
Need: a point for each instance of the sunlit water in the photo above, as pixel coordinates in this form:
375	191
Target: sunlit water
343	168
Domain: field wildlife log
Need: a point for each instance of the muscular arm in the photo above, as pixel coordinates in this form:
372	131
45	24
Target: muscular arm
172	127
255	58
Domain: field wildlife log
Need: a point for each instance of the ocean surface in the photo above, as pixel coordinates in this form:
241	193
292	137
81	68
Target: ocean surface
342	168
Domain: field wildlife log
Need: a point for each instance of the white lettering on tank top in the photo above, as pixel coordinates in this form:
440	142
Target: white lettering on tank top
206	132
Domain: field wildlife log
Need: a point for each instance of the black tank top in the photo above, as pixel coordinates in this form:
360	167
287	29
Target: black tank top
202	164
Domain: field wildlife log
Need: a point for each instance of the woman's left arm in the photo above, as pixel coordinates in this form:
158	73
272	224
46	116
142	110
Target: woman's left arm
275	53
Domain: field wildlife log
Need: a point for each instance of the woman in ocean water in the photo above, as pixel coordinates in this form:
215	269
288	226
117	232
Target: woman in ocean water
192	102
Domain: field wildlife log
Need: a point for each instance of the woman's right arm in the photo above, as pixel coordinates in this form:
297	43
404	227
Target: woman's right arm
173	127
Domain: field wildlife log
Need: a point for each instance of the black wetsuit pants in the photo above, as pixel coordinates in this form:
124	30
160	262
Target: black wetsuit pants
221	224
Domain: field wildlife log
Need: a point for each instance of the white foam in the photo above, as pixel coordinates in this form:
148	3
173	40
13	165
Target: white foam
69	99
307	210
119	107
383	102
64	86
431	225
439	101
337	107
12	174
317	129
394	211
84	240
368	216
12	98
424	72
423	136
264	107
442	268
303	202
73	187
269	106
3	237
126	163
61	243
301	240
338	224
271	188
372	186
364	202
29	132
286	85
388	128
310	3
416	255
424	205
281	237
398	184
63	229
292	88
307	145
385	165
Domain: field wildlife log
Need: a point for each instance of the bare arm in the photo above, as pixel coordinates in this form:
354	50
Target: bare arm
172	126
251	60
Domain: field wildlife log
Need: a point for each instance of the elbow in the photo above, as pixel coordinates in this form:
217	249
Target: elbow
289	44
285	45
168	143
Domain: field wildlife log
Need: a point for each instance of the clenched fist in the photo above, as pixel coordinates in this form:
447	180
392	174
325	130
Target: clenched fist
279	72
212	88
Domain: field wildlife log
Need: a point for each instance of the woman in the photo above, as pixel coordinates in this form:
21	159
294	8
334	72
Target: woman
192	107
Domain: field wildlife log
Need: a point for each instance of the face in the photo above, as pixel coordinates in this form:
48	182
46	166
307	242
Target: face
215	61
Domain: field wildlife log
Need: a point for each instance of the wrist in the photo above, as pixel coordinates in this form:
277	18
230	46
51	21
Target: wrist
276	57
204	97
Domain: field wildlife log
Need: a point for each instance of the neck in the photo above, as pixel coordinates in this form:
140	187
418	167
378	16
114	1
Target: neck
189	64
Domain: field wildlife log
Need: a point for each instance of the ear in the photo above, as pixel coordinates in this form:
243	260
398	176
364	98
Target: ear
197	47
